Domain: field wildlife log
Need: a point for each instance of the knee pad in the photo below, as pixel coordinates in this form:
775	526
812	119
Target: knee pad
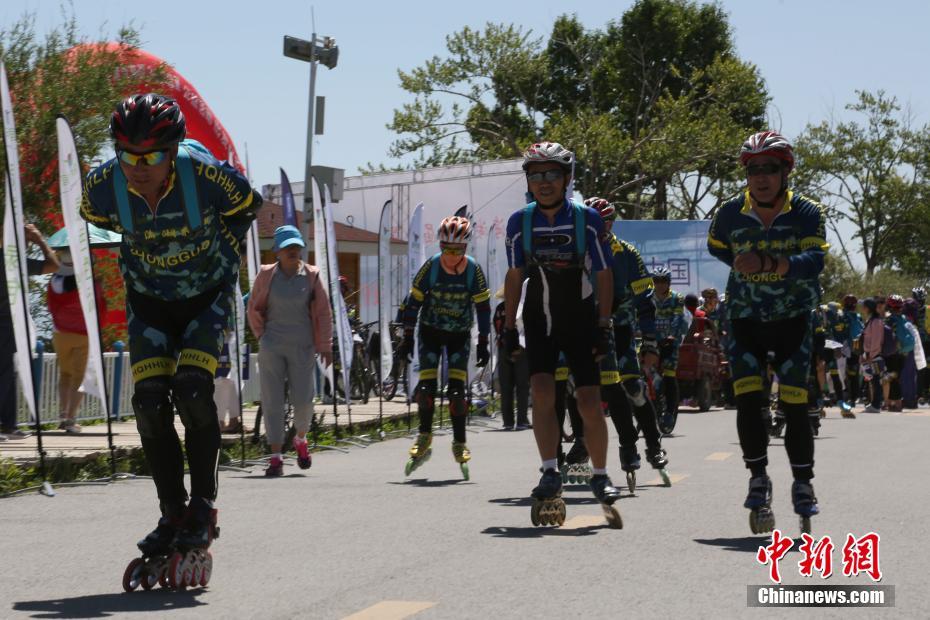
456	392
635	392
151	402
426	394
192	389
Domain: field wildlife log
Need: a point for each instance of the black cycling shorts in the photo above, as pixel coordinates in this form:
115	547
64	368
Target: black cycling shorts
573	333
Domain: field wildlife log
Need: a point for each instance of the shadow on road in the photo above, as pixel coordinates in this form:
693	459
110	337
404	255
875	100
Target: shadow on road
528	501
540	532
264	477
104	605
423	482
747	544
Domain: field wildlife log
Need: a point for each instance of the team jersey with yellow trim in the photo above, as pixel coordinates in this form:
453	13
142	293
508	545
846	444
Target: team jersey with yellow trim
797	233
632	286
670	316
447	303
165	256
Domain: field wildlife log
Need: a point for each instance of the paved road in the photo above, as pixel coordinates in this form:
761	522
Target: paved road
353	537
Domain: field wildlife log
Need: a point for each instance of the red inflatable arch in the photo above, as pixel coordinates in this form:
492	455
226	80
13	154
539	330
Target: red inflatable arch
202	124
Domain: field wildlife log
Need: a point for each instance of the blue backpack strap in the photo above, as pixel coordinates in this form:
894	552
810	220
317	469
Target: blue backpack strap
434	269
185	170
580	232
528	232
121	193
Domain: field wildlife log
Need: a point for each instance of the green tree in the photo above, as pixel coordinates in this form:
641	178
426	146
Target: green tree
872	174
654	105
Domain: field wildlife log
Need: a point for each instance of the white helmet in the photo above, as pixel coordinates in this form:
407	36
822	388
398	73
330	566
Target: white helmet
455	229
543	152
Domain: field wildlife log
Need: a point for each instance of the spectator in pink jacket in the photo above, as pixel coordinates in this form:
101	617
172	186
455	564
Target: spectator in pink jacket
289	313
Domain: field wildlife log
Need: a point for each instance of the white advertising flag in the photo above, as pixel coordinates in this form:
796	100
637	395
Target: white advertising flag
416	256
69	179
384	290
343	329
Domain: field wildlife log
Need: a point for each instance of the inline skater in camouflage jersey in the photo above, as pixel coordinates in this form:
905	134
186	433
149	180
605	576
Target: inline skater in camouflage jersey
444	293
183	216
774	240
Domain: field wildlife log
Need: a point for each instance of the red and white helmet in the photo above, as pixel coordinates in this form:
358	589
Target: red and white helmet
455	229
767	143
606	210
543	152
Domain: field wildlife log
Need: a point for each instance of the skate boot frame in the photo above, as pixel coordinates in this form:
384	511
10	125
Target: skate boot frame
805	504
576	469
606	494
759	503
462	455
548	505
419	452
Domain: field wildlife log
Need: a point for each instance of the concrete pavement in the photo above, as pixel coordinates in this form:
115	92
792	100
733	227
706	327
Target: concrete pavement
352	537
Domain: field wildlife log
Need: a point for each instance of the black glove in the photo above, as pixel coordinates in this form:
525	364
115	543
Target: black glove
406	345
482	354
602	344
511	341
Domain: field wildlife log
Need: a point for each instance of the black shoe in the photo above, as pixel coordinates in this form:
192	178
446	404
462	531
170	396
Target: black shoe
199	526
604	491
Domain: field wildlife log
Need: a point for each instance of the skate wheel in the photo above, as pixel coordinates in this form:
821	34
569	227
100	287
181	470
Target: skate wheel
564	471
666	480
561	514
464	467
409	467
534	514
176	571
631	481
195	575
805	523
150	579
133	574
613	517
207	570
761	521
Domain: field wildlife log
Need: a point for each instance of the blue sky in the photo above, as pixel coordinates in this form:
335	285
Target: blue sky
812	54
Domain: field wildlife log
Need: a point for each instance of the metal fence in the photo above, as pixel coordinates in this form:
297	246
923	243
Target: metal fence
91	408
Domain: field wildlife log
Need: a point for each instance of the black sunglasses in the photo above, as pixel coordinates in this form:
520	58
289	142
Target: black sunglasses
758	169
548	175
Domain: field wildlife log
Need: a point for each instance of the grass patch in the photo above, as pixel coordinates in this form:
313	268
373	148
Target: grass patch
63	469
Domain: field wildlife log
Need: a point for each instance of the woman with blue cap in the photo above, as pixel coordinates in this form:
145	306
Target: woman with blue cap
290	316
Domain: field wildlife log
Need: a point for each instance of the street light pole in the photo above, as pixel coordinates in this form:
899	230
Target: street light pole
313	51
308	174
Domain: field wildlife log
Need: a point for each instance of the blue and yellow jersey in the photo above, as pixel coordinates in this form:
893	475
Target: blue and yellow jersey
444	301
798	233
182	249
856	326
633	287
670	316
836	324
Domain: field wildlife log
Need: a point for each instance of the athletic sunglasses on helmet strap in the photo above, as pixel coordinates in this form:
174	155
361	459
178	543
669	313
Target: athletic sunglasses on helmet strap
548	175
758	169
152	158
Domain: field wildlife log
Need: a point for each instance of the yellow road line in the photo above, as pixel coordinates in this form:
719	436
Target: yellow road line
922	414
718	456
391	610
576	523
675	478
